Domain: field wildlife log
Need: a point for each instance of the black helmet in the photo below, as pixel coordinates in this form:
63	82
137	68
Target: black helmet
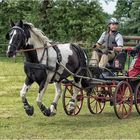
113	21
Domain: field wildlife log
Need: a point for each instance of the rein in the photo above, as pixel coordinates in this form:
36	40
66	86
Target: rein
27	50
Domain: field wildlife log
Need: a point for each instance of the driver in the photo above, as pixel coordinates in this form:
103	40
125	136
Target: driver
111	41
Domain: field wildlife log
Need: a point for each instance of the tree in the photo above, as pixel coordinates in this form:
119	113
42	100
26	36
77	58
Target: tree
122	9
16	10
76	20
134	22
128	11
61	20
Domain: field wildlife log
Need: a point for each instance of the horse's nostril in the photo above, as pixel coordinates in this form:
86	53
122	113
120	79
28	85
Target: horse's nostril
9	53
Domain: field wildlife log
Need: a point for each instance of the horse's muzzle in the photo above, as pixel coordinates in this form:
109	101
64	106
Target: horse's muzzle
10	54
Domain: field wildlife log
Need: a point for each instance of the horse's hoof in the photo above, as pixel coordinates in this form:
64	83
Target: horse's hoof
29	110
71	107
47	112
70	112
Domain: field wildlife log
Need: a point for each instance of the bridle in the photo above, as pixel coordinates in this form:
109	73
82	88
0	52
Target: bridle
24	35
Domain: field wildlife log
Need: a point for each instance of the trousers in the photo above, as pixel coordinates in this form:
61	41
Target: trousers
101	57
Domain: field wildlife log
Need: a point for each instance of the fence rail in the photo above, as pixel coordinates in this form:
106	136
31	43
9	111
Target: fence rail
137	38
129	41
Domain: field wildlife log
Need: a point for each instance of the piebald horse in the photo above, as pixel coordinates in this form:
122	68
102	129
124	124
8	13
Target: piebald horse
42	64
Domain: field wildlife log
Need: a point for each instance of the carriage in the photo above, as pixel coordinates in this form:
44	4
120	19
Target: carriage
111	84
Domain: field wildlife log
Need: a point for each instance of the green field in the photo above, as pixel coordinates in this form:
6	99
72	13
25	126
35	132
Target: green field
15	124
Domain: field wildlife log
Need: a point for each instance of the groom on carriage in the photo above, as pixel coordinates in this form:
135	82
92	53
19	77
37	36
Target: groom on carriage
108	45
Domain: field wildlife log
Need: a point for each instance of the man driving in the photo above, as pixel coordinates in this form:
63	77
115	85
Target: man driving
109	43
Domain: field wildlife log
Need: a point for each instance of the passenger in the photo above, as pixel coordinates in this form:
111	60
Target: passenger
134	69
111	41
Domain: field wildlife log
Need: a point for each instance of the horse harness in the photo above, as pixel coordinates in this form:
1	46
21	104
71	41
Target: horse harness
45	67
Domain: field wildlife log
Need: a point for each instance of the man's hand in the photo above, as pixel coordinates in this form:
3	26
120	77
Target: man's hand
94	46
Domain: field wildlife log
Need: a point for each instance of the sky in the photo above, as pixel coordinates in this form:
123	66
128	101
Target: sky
110	7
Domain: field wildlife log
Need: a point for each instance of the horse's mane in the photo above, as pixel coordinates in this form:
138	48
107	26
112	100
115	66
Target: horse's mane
38	33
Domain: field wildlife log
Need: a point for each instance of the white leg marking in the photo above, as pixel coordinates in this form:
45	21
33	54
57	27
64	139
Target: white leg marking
41	94
72	103
58	92
24	91
76	90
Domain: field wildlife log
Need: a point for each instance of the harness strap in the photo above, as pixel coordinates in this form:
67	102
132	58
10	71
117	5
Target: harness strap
59	59
59	56
42	55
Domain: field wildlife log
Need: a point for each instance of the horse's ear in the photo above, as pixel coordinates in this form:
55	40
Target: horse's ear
12	23
20	23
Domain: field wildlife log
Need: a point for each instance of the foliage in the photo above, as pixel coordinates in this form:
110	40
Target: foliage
74	20
61	20
128	11
15	10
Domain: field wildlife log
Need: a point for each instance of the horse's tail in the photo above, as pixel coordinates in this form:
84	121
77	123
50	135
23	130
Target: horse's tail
83	66
82	56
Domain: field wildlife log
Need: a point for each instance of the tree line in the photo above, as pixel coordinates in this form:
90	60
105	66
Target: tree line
69	20
60	20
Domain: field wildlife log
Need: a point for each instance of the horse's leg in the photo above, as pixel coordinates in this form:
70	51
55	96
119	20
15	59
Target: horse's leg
72	102
58	92
42	88
28	108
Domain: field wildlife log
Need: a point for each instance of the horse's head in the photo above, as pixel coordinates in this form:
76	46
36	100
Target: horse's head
18	37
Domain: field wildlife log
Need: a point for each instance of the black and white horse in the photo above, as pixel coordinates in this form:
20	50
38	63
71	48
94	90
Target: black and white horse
42	64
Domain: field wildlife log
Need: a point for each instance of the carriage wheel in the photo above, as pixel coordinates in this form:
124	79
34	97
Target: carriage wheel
66	97
96	101
123	100
137	98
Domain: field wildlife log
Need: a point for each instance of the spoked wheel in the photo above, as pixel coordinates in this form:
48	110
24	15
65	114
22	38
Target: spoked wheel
96	101
137	98
66	97
123	100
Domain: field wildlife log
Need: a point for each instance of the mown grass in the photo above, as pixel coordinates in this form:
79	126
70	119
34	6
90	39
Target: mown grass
15	124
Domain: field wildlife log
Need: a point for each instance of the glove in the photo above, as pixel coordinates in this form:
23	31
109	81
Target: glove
94	46
98	50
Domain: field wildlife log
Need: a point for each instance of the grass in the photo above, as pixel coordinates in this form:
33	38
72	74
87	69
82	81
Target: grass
15	124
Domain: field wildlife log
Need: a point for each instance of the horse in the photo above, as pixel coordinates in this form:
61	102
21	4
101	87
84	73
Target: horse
42	64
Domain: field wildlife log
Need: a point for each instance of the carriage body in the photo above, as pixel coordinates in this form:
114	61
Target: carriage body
116	87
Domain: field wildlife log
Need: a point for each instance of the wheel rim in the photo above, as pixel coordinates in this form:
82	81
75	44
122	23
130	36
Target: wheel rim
96	101
68	92
123	100
137	98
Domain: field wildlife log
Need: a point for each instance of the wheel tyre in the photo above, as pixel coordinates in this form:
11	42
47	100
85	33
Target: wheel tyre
123	100
137	98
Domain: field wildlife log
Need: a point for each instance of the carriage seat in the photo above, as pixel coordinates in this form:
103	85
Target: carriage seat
121	57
